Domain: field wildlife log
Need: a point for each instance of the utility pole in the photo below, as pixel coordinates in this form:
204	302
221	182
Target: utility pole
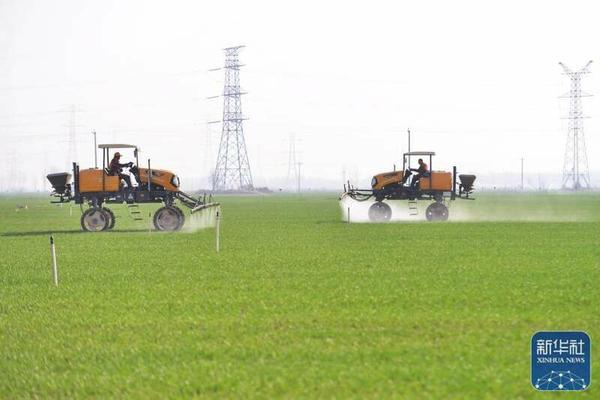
522	187
292	162
95	150
408	130
299	164
576	174
233	168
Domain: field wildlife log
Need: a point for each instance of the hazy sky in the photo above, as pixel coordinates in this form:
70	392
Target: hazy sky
476	81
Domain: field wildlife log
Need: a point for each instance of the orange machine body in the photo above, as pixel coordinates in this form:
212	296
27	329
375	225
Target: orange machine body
97	180
160	177
437	180
387	178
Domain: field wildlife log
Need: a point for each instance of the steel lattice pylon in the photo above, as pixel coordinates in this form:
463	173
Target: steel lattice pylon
576	174
233	168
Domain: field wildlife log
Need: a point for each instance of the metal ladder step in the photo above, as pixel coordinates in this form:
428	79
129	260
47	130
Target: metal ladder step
412	207
134	212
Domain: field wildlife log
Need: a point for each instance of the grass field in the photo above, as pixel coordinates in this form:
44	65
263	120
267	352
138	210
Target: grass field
297	303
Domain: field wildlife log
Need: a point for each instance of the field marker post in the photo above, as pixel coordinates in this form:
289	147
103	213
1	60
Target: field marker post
54	266
348	214
218	231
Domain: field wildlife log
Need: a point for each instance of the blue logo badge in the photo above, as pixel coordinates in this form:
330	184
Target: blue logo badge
561	360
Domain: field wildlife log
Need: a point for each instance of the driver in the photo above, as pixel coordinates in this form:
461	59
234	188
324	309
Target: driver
115	168
421	171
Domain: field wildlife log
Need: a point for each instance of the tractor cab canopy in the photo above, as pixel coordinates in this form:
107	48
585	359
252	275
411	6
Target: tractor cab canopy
106	149
417	154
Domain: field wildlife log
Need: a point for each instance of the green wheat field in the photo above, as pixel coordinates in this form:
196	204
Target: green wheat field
298	303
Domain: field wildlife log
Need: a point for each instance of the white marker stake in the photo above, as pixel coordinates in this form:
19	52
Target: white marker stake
348	214
218	231
54	267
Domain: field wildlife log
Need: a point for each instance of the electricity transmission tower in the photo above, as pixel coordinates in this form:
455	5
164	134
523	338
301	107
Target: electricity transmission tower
233	169
72	126
576	174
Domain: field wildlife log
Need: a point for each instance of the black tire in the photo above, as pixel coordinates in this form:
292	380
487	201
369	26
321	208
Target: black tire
95	220
380	212
437	212
168	218
112	217
180	211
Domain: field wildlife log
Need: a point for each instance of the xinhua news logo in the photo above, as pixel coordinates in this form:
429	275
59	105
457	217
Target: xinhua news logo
561	360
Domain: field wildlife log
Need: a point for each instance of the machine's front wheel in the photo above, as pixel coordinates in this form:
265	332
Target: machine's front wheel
380	212
168	218
95	220
181	214
436	212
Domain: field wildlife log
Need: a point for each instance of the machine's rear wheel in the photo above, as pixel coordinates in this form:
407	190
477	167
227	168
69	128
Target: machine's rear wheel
95	220
111	215
380	212
436	212
168	218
